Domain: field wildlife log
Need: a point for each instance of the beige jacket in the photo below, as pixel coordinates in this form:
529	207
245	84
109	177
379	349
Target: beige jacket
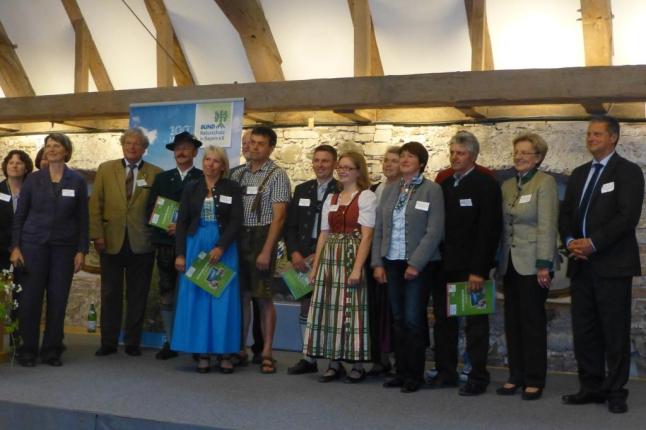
110	212
530	224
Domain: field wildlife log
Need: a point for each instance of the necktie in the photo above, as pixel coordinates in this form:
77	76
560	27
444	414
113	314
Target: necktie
457	177
130	177
585	201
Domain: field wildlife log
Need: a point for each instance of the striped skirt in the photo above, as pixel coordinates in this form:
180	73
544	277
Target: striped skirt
337	322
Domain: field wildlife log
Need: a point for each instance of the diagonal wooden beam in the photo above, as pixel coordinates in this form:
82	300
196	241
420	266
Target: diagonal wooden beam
596	18
13	79
87	58
481	52
171	60
360	12
364	116
248	18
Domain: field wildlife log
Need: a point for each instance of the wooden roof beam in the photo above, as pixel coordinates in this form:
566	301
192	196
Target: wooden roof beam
248	18
596	18
87	58
481	51
616	84
364	116
171	60
13	78
367	60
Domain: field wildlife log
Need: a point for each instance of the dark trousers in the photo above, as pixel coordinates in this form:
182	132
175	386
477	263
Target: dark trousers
601	329
445	335
137	270
166	270
408	301
525	328
256	328
49	269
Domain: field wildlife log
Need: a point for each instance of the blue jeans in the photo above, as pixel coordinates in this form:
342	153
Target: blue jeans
408	302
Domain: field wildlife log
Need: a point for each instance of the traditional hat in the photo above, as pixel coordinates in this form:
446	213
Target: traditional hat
184	136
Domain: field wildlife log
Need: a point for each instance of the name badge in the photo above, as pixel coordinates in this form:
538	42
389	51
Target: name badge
252	190
226	199
5	197
334	208
607	187
423	206
68	193
142	183
304	202
466	202
525	199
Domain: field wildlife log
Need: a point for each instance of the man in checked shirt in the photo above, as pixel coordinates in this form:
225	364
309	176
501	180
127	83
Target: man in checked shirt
266	194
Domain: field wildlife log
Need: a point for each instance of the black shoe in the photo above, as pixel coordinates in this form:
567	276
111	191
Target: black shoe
337	374
410	387
379	369
617	406
350	380
27	361
257	359
441	381
395	382
302	367
582	398
532	396
166	353
470	389
53	361
504	391
133	350
105	350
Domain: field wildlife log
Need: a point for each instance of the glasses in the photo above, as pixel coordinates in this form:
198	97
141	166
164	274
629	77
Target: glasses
524	154
345	168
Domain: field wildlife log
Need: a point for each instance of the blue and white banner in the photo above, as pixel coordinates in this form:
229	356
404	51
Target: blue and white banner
214	122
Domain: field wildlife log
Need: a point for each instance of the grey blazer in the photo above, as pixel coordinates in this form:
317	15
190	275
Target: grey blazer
424	224
530	224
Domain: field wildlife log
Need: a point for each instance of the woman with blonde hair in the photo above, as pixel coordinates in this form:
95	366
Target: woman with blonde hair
210	216
338	323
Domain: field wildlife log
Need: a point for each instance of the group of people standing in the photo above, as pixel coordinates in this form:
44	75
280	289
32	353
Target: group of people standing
374	254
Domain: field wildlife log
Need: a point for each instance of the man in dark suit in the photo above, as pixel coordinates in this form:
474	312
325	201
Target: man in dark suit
169	185
601	208
121	235
303	227
473	219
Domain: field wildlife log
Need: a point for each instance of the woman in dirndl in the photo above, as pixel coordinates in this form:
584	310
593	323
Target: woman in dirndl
210	217
338	321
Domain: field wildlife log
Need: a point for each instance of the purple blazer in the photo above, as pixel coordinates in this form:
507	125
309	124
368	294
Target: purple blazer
52	215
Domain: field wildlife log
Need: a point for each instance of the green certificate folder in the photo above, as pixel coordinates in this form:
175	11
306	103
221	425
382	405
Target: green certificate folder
297	282
164	213
212	278
462	302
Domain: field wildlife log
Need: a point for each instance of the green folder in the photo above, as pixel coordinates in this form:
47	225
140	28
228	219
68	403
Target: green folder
462	302
164	213
297	282
212	278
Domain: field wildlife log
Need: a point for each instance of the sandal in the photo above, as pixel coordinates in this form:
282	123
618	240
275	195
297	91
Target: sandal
226	367
268	365
354	380
331	374
203	365
240	360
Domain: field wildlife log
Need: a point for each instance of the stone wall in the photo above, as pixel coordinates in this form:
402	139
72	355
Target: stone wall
293	152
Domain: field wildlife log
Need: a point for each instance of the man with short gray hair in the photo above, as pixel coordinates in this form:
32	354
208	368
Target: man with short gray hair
473	223
119	229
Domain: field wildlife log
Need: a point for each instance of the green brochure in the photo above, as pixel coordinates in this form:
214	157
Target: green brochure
462	302
212	278
297	282
164	213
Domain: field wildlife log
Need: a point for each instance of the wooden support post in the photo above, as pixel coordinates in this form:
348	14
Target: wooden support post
596	18
13	79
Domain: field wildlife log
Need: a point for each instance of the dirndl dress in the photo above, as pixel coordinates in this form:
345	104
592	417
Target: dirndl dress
338	322
203	323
